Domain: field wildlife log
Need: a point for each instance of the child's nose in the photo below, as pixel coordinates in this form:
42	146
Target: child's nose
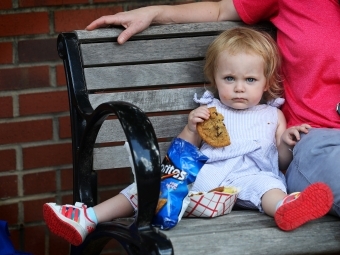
239	87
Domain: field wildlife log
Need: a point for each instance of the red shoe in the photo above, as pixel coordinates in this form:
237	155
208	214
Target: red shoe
300	207
68	221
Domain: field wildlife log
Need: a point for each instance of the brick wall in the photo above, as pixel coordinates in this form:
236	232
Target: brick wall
35	144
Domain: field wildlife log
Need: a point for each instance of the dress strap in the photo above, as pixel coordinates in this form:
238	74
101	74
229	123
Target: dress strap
207	98
277	102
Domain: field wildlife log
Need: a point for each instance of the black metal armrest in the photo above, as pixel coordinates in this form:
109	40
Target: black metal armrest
144	150
137	237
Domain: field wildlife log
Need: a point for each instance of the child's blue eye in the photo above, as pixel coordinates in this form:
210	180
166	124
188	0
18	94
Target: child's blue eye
250	79
229	78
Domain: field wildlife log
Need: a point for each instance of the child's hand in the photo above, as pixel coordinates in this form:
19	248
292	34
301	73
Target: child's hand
292	135
196	116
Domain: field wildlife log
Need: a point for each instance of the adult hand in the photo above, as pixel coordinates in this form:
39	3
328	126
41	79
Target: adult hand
134	21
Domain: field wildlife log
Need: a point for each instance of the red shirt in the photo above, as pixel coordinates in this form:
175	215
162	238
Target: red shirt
308	35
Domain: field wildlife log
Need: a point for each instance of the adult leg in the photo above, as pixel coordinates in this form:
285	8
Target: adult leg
316	158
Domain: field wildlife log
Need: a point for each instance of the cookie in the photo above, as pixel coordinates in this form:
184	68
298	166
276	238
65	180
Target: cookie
213	130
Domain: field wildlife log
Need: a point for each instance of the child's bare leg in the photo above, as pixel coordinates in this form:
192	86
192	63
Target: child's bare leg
116	207
270	199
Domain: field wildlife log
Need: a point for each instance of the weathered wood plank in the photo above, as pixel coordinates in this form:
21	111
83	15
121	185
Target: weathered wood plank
157	30
153	100
251	232
144	75
177	49
164	126
117	157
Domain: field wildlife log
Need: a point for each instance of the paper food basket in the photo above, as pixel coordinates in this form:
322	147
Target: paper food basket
212	204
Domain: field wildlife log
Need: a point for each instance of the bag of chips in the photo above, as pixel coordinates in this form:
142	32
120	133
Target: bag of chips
179	170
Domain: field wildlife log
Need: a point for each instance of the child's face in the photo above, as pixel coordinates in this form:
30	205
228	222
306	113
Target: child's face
240	79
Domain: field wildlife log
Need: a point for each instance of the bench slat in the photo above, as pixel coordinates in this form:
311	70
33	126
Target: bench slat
105	34
144	75
153	100
165	126
251	232
144	51
117	157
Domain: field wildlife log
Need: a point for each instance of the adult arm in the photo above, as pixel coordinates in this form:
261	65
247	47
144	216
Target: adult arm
138	20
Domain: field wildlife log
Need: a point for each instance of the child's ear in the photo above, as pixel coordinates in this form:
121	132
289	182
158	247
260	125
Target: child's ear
266	87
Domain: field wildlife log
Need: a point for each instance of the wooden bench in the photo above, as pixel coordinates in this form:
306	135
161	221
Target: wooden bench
157	71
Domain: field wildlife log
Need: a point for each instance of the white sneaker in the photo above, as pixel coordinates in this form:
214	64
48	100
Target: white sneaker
68	221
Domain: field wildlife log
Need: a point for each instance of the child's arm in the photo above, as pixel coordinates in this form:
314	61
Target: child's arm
189	132
286	140
137	20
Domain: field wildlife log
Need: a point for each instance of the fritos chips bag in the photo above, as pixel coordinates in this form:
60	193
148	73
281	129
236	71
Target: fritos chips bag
179	170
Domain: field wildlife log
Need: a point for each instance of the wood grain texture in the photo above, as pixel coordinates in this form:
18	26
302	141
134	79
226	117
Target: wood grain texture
132	52
251	232
153	100
164	126
172	30
113	77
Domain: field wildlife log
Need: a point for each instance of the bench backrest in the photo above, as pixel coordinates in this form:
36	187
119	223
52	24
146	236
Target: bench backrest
158	70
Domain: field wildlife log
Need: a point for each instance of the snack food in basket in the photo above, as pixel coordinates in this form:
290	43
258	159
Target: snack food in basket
216	202
213	130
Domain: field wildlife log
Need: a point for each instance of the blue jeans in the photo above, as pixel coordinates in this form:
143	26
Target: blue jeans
316	158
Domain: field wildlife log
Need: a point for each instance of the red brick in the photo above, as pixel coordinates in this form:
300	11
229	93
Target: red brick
40	103
61	78
9	186
6	107
66	177
5	4
68	20
44	182
67	199
6	56
24	23
9	163
105	1
64	127
9	213
38	50
26	131
24	78
138	4
36	3
47	155
31	214
15	238
58	245
34	239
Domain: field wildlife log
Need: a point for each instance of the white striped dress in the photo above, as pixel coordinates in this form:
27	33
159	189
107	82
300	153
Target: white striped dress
250	162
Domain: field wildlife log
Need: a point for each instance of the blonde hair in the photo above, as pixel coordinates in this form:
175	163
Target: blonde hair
250	41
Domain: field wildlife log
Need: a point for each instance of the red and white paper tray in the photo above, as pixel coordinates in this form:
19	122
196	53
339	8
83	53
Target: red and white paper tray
213	203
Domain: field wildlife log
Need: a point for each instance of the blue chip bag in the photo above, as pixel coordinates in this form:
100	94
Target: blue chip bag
179	170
